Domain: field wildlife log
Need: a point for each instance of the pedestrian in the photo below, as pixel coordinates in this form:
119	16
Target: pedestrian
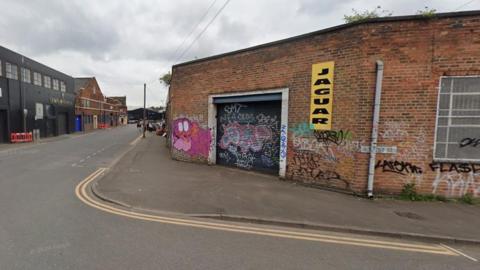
139	126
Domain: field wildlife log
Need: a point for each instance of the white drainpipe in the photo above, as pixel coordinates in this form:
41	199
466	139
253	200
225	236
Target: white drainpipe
376	118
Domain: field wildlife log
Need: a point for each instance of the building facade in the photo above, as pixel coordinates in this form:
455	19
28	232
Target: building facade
122	109
33	97
92	109
303	108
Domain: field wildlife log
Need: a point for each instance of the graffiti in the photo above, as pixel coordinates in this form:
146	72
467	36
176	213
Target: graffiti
330	136
247	137
268	120
309	168
267	161
232	113
400	167
302	129
283	142
457	179
473	142
189	137
242	160
455	167
395	130
457	184
234	108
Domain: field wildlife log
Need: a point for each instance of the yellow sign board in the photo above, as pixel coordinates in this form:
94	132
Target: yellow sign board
321	96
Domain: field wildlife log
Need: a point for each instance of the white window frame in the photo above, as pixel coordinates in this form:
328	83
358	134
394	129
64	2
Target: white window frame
463	160
36	76
47	79
26	75
10	71
63	87
55	84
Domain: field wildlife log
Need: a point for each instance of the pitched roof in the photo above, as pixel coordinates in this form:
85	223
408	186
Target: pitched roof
122	99
80	83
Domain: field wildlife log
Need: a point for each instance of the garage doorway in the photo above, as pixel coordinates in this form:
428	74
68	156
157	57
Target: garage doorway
249	130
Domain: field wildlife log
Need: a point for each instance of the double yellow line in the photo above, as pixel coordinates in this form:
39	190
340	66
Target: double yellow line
83	195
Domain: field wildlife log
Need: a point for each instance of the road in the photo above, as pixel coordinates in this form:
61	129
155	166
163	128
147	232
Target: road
44	225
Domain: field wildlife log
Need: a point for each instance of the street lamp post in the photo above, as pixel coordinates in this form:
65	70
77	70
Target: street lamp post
144	105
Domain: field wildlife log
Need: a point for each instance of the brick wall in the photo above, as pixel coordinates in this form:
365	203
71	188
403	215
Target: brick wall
415	52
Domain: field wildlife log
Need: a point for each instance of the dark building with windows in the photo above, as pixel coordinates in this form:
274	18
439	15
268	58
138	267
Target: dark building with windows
34	97
137	114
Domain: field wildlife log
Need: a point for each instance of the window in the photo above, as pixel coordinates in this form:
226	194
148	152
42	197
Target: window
55	84
26	75
63	88
11	71
47	82
0	67
458	119
37	78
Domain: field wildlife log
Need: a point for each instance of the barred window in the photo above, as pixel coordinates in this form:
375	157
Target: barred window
37	78
47	82
11	71
55	84
26	75
458	119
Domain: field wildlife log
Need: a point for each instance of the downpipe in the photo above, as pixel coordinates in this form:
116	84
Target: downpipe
376	118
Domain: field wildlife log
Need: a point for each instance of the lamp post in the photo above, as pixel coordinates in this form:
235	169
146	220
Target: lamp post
144	107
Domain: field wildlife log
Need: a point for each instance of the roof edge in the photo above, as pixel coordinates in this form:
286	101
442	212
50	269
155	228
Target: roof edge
332	29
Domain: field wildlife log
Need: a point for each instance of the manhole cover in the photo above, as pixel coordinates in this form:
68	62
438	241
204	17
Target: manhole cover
409	215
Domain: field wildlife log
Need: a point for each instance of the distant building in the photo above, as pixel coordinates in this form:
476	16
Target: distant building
92	109
122	108
33	97
137	114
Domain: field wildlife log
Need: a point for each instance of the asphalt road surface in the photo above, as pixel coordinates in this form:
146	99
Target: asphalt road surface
44	225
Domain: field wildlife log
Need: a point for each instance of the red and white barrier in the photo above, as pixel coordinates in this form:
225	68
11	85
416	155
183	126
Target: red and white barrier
21	137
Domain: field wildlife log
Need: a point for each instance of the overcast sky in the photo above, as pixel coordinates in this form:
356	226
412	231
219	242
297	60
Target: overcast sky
124	43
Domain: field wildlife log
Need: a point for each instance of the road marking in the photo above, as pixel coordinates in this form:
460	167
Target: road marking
83	195
136	140
459	252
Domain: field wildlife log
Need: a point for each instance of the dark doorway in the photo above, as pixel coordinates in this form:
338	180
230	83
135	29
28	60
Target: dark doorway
248	135
62	123
3	127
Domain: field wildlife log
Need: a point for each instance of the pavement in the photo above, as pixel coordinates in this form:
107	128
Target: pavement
146	178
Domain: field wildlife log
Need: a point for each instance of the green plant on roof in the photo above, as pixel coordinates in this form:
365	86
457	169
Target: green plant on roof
357	16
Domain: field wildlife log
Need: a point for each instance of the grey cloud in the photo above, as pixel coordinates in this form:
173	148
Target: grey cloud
47	27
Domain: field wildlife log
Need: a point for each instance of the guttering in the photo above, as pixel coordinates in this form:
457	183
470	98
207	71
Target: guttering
376	118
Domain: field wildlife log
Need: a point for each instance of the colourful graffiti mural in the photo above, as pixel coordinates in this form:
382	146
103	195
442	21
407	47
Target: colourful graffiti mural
247	137
189	137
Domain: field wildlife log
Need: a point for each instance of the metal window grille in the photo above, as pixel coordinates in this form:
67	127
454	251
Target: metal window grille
458	120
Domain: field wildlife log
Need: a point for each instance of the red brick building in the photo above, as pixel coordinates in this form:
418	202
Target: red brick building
92	109
303	108
122	109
